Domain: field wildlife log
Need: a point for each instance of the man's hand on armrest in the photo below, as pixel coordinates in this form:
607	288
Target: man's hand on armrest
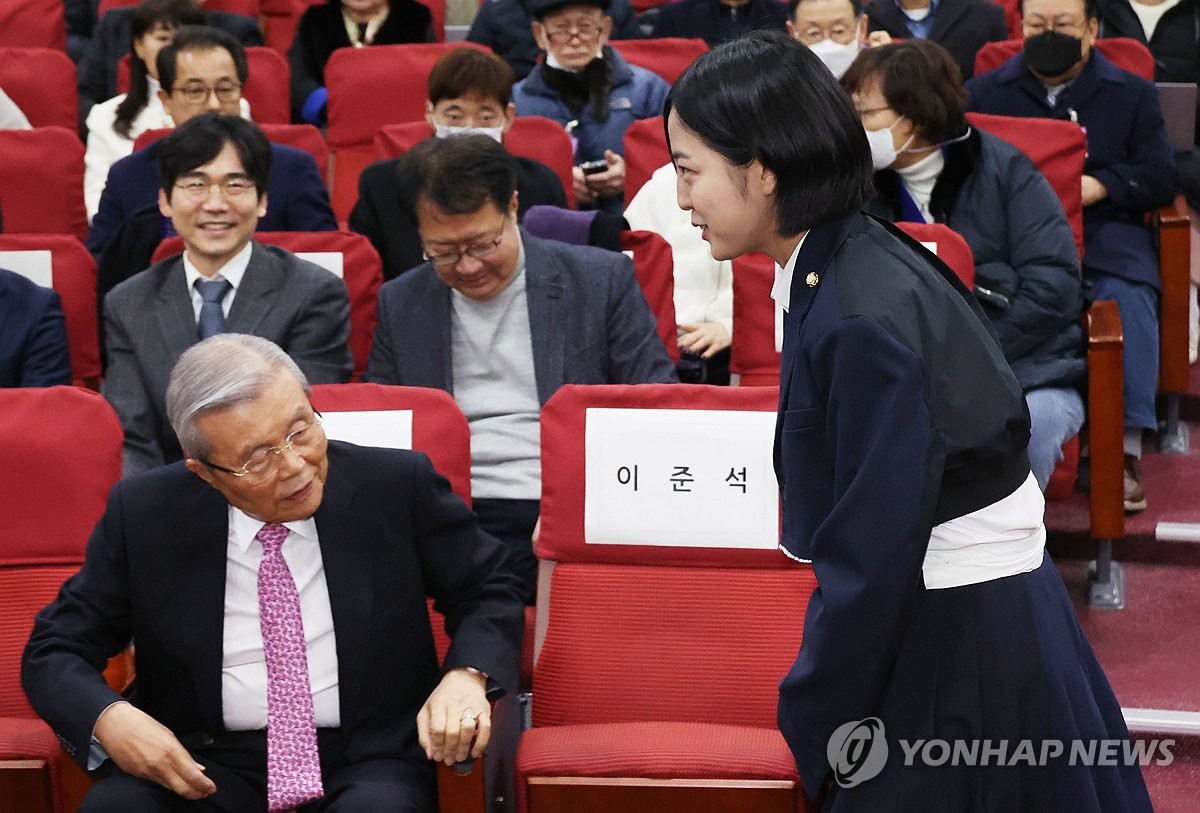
456	712
143	747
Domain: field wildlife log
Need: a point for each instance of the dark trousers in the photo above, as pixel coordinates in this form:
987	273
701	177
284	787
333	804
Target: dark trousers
512	522
236	762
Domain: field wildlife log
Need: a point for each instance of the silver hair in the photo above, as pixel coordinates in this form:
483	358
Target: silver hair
219	372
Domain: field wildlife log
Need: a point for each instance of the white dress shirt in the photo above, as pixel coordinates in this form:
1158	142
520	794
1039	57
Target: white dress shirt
243	667
232	271
781	291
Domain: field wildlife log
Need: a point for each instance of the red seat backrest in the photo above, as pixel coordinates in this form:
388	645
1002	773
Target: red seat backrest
439	429
370	88
667	56
1124	52
73	276
533	137
65	443
33	24
654	267
949	245
545	140
753	355
301	136
714	627
362	271
438	426
1056	147
42	83
41	181
645	151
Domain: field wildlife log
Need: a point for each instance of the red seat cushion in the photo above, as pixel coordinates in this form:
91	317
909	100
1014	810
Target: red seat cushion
656	750
31	739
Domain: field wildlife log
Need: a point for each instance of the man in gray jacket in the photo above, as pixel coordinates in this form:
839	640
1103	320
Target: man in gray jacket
501	320
214	171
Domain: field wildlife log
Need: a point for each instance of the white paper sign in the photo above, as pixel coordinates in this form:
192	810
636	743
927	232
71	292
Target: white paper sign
333	261
389	429
33	265
680	478
930	246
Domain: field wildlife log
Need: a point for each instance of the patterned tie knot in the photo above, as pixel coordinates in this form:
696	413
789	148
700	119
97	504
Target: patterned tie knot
213	290
271	536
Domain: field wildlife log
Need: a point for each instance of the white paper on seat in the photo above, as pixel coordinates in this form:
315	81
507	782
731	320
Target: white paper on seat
34	265
333	261
680	478
389	429
778	327
931	245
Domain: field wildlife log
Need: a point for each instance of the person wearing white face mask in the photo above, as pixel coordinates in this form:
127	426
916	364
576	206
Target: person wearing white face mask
959	26
591	90
932	167
469	94
834	30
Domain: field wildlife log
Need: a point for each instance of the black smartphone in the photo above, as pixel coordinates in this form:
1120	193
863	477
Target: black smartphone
592	167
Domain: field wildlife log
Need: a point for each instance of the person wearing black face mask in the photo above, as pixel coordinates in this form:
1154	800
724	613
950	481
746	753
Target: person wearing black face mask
1129	170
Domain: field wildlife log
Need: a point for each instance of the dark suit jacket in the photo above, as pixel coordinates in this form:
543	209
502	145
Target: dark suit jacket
33	335
150	321
377	213
959	26
713	22
391	532
97	70
887	427
297	199
322	31
1127	151
588	321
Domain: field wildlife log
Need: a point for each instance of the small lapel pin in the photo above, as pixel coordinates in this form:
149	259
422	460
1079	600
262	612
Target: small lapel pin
812	279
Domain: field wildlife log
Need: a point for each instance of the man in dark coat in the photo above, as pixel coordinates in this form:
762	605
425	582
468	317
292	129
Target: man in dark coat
1129	170
959	26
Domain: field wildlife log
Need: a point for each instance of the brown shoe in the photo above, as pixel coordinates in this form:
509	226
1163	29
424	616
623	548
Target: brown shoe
1135	495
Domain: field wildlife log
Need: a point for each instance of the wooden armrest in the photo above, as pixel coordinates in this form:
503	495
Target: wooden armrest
462	793
1106	420
1173	224
25	785
119	674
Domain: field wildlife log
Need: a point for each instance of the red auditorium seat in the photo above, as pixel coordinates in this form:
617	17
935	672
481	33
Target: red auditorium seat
754	356
948	245
73	276
658	653
438	429
645	151
41	181
668	57
533	137
42	83
655	270
368	89
61	441
33	24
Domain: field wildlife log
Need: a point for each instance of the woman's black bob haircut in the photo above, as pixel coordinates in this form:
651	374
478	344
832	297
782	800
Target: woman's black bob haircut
765	96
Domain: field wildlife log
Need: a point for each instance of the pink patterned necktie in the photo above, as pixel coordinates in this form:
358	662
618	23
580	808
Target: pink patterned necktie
293	764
